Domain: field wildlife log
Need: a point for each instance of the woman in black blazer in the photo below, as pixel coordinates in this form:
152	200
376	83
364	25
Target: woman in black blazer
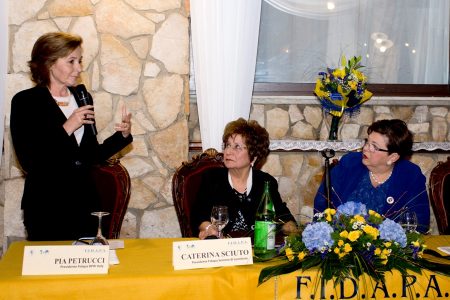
54	137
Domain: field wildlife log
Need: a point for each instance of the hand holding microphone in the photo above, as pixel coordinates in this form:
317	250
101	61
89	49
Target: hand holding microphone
85	99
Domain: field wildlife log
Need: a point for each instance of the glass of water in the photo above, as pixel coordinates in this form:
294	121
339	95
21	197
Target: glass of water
408	220
219	218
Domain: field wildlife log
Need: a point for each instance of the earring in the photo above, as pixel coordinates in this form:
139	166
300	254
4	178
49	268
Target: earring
389	162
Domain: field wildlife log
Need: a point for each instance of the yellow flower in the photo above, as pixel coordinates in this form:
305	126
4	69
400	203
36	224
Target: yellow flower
374	214
358	218
387	244
354	235
341	255
340	243
372	231
377	251
416	244
290	254
318	90
301	255
347	248
336	250
340	73
330	211
366	96
344	234
359	75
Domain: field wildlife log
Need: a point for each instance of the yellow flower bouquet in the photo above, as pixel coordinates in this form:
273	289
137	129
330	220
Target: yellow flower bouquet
342	90
351	241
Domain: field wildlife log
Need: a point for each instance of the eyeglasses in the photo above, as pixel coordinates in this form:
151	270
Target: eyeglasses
373	147
235	147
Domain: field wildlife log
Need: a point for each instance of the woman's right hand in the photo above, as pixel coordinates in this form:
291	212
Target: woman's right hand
207	229
79	117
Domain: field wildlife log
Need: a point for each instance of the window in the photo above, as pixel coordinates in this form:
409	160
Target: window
404	44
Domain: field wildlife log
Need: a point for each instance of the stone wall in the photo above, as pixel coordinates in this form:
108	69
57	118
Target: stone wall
136	53
301	118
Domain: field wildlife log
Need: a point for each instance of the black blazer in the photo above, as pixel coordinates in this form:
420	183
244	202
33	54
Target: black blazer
216	190
58	184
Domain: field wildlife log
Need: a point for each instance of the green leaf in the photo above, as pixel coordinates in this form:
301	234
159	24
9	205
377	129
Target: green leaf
272	271
343	61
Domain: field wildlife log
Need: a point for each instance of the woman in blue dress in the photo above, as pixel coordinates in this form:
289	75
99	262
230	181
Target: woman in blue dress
381	176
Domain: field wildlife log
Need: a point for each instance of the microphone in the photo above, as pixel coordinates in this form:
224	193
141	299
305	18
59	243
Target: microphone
84	99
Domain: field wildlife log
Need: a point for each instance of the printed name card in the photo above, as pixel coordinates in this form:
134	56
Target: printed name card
64	260
212	253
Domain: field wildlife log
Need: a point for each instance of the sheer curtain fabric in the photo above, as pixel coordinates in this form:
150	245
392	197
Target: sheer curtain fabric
224	45
401	42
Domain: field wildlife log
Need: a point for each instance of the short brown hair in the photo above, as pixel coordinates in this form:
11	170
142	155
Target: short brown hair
255	136
400	139
46	51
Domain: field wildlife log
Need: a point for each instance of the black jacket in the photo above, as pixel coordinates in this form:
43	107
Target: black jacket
58	194
216	190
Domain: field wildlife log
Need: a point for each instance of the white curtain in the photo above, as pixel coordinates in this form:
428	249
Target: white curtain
314	9
3	64
224	45
300	37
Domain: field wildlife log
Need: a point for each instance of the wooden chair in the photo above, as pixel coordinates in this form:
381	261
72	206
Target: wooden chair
439	192
186	183
113	186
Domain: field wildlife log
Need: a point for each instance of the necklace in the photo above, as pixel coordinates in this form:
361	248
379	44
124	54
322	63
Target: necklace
66	99
62	103
376	179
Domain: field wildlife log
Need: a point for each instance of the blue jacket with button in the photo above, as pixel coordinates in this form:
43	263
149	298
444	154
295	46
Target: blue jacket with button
406	187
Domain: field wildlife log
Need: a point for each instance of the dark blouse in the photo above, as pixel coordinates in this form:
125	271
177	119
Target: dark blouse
215	189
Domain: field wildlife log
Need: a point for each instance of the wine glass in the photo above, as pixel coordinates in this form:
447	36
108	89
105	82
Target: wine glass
219	218
408	221
99	238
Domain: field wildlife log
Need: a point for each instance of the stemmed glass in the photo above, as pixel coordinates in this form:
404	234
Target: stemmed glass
219	218
99	238
408	221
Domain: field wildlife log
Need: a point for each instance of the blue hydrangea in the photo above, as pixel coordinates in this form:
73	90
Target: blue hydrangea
392	231
351	208
317	236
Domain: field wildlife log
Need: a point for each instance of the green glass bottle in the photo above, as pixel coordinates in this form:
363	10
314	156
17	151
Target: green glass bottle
265	227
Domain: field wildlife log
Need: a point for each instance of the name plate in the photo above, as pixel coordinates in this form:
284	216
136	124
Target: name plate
212	253
64	260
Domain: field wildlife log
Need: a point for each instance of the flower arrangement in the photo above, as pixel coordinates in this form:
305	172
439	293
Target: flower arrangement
351	241
342	90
